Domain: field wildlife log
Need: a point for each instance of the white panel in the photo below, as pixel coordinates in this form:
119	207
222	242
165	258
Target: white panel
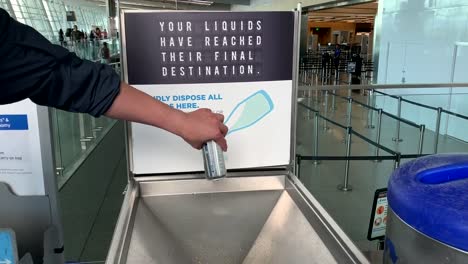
264	143
20	149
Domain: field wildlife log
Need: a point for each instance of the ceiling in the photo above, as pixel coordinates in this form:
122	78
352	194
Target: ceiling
359	13
179	4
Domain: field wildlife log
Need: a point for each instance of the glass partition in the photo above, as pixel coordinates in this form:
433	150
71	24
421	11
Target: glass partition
349	141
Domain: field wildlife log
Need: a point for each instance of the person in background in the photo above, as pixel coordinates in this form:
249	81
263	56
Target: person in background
75	34
56	77
105	53
61	37
98	33
104	34
92	35
336	57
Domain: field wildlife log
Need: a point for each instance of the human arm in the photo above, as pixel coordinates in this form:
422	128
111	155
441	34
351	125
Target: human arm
32	67
195	127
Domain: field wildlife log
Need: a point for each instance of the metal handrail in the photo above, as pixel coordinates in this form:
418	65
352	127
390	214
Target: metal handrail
383	86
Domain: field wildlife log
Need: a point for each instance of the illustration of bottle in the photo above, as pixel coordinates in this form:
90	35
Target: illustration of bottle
249	111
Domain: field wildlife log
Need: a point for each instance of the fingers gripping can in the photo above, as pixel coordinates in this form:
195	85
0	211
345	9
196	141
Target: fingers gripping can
213	158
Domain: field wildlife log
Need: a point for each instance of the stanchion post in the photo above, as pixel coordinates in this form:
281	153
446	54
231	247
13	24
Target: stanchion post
397	160
350	78
379	130
298	166
397	138
325	112
422	129
349	112
316	135
370	116
334	101
345	187
437	130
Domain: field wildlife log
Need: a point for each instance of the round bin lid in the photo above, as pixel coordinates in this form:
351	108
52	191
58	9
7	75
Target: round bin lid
431	195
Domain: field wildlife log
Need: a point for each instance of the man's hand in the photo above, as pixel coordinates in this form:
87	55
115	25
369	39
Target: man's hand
203	125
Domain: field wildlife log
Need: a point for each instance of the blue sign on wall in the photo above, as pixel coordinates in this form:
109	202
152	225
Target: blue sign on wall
13	122
7	249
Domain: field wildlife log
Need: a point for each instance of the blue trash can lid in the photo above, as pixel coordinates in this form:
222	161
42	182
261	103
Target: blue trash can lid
431	195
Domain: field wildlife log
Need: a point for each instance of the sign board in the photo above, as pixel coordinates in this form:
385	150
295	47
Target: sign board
8	252
71	17
351	67
20	151
239	64
378	220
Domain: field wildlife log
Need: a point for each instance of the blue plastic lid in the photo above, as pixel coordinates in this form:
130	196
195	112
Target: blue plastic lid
431	195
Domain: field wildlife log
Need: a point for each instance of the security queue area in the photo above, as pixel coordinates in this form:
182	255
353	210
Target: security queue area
233	131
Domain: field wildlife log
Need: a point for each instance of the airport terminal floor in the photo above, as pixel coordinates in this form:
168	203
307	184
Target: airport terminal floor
347	136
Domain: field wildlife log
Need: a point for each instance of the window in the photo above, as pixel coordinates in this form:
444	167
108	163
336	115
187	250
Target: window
48	16
5	5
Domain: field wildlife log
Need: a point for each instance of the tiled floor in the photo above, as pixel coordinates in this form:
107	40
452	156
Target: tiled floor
352	210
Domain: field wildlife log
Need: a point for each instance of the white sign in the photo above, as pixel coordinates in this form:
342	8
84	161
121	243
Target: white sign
238	64
20	149
257	114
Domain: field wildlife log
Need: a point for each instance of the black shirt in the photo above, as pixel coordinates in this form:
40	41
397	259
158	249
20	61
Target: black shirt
32	67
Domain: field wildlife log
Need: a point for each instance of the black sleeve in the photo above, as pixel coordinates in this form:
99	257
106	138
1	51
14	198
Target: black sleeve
32	67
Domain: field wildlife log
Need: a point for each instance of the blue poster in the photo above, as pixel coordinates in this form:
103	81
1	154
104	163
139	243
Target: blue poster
13	122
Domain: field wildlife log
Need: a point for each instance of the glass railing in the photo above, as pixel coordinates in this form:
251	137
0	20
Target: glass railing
351	138
91	50
76	135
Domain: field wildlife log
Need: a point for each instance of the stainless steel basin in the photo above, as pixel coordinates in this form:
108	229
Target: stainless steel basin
266	219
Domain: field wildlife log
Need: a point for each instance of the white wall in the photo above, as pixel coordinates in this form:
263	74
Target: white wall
418	38
275	5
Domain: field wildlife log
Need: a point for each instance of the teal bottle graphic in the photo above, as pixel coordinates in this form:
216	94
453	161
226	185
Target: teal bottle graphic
249	111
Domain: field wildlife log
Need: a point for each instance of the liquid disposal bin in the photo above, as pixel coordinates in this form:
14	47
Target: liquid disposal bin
428	211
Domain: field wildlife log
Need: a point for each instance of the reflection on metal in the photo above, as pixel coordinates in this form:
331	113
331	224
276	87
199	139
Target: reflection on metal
415	246
236	220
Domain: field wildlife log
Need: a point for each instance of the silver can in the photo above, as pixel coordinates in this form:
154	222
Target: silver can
213	158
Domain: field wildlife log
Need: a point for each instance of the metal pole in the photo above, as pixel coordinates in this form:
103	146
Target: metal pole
309	103
397	138
397	160
345	187
298	166
370	116
325	125
386	63
323	75
334	101
422	129
304	74
379	129
316	141
452	78
349	84
350	109
437	130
